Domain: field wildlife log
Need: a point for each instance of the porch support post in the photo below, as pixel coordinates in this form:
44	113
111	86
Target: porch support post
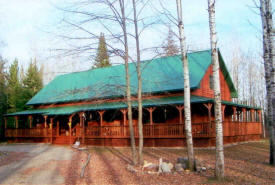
101	116
244	114
45	122
180	108
16	121
57	128
234	113
223	114
51	128
81	115
70	128
151	110
252	115
124	111
208	106
260	115
30	120
5	122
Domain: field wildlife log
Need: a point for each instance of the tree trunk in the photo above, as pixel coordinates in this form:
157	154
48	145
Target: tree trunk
128	90
219	166
268	56
140	126
187	111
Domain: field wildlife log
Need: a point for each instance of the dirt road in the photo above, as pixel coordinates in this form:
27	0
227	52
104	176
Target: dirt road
33	163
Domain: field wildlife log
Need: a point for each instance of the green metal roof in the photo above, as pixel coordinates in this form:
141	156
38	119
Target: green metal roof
67	110
158	75
240	105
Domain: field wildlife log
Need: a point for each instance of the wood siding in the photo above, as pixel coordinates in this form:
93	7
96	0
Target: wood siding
205	89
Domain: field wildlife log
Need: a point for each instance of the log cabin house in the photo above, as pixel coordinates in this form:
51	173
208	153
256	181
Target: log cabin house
90	106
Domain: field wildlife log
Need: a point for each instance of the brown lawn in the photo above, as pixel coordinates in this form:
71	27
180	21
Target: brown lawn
45	164
245	164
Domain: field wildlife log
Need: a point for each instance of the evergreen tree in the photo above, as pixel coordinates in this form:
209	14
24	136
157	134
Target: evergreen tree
32	81
3	97
102	57
169	47
14	89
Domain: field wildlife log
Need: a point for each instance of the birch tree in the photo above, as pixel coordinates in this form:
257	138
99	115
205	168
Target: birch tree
268	56
219	166
187	111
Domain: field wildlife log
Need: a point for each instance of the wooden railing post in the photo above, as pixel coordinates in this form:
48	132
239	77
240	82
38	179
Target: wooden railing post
51	129
82	124
101	120
45	121
223	113
210	127
151	110
30	120
57	128
244	114
260	115
208	106
124	112
5	119
101	116
234	113
70	128
16	122
180	108
252	115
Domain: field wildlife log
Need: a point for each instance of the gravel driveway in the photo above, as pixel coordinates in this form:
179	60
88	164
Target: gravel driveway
33	163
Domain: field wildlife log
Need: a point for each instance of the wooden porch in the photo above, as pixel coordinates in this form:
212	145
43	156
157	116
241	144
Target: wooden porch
239	124
239	131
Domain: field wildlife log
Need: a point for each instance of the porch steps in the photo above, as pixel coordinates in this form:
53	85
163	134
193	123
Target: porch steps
63	140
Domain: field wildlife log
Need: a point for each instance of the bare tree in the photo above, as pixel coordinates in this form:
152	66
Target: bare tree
219	167
268	55
113	20
187	111
128	90
140	127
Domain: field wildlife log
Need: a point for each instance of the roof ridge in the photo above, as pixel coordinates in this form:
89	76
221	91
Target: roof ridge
147	60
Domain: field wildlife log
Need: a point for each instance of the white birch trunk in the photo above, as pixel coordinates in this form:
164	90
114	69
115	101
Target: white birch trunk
187	111
268	56
219	166
128	90
140	126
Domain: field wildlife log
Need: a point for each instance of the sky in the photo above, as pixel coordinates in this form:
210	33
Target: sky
28	30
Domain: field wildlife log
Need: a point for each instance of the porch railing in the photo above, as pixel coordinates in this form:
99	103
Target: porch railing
166	130
31	132
149	131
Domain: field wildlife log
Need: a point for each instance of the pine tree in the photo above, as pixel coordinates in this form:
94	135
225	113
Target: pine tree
102	57
3	97
32	81
14	88
169	47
